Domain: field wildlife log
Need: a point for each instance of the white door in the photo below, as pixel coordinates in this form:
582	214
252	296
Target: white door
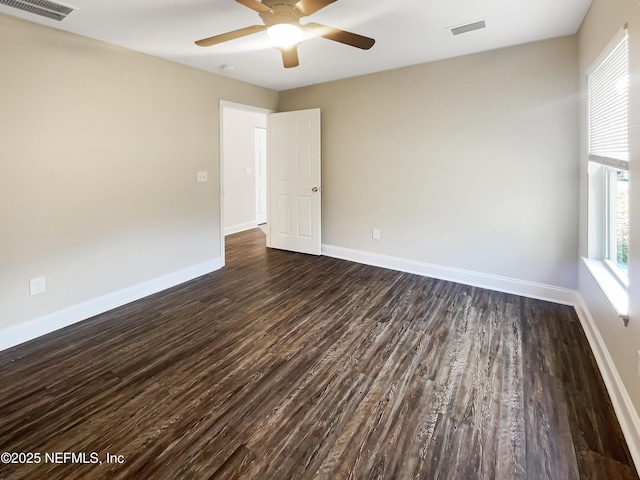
294	181
261	175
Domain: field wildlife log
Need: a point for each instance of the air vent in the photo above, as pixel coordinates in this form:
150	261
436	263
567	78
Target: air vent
469	27
44	8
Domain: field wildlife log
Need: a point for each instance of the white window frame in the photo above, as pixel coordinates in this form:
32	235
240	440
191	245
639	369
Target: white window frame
608	154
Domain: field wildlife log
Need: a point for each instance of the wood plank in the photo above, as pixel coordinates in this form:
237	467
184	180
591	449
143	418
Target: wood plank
290	366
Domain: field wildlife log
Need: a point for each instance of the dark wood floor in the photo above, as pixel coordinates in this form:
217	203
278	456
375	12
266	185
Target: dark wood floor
284	366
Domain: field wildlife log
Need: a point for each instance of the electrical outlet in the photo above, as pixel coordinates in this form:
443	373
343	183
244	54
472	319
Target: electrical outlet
201	177
248	170
37	285
375	234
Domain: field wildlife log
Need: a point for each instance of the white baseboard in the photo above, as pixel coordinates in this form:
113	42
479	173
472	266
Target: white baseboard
492	282
622	404
37	327
241	227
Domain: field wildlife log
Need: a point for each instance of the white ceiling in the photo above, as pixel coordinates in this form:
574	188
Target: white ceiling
407	32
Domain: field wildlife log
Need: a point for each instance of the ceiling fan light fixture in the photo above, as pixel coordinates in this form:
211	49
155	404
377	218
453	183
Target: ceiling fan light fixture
285	34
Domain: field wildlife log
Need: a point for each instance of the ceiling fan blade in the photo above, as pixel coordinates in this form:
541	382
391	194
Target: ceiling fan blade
290	57
307	7
254	5
225	37
342	36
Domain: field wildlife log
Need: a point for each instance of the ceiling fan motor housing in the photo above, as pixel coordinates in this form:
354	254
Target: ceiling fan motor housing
281	12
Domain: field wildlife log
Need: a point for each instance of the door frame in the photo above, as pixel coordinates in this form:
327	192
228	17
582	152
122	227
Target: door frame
247	108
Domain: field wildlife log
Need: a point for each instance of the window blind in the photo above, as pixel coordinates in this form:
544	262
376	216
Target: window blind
608	90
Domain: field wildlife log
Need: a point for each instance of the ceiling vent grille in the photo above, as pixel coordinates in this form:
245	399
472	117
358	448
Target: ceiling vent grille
469	27
44	8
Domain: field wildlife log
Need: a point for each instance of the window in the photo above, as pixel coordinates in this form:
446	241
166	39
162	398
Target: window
608	92
617	220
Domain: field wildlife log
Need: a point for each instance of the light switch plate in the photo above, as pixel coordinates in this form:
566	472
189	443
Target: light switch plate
37	285
375	234
202	177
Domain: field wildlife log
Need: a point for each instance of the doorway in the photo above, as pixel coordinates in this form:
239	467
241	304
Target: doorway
291	185
261	174
239	168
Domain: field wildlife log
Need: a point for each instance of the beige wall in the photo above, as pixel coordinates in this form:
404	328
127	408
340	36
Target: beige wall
469	162
99	152
602	23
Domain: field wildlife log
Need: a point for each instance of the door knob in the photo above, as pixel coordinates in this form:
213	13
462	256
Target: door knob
315	189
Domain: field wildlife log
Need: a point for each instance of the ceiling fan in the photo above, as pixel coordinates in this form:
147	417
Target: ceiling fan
282	22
